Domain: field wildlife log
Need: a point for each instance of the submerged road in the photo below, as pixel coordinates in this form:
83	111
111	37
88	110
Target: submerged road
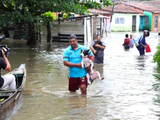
126	93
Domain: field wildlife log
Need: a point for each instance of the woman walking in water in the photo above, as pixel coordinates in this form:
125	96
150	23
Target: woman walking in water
97	48
142	43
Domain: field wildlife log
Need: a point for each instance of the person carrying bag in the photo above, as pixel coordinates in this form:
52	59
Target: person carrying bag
148	49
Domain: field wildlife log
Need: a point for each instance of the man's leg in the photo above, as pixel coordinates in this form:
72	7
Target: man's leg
83	89
83	85
141	50
73	85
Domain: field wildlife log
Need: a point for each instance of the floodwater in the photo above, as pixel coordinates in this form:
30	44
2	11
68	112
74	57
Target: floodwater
126	93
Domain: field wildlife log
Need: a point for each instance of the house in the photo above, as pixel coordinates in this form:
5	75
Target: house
101	22
124	17
134	16
152	10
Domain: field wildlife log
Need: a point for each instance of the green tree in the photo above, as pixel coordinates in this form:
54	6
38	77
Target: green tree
156	57
30	11
48	18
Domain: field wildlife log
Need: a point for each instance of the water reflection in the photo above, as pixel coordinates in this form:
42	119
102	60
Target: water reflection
77	107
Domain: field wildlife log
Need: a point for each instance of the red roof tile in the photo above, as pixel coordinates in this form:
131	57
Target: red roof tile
144	6
122	8
153	3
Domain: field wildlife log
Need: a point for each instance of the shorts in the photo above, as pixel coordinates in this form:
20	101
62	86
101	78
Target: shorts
74	83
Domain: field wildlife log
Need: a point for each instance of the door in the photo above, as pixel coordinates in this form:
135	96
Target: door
156	24
146	23
133	23
141	23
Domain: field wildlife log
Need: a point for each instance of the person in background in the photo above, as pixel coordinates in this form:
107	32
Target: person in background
131	40
72	59
126	43
97	48
142	43
8	79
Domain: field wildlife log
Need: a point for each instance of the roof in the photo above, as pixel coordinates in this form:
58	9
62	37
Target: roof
123	8
98	11
152	3
132	7
150	6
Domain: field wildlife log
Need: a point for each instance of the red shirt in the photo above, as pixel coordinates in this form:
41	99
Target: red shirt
127	42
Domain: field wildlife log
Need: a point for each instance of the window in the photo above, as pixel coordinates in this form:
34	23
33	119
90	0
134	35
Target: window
119	20
156	22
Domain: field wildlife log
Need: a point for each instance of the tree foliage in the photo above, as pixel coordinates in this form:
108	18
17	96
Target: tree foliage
31	10
156	57
48	17
157	85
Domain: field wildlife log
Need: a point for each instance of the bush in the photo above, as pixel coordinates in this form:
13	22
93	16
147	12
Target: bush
48	17
156	57
157	85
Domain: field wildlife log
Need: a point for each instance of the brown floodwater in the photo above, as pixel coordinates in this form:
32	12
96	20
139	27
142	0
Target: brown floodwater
126	93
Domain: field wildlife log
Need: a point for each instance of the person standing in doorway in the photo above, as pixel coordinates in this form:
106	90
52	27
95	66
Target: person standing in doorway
97	48
72	59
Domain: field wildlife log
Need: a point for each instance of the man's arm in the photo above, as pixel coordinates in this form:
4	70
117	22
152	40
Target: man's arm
69	64
93	50
8	67
100	46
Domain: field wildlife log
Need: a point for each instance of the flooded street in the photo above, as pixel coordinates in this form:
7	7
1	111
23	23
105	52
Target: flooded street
126	93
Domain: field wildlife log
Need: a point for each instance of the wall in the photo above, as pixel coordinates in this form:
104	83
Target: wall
107	23
149	14
127	25
152	26
67	27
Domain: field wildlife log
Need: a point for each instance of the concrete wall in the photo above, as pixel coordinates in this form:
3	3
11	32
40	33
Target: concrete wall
67	27
152	26
127	25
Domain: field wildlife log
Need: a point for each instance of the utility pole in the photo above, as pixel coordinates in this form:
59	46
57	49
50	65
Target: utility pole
112	12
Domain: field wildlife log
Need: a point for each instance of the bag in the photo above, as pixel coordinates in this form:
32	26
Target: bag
148	48
136	42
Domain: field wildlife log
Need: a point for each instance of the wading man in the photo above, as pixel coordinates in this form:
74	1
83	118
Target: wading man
72	59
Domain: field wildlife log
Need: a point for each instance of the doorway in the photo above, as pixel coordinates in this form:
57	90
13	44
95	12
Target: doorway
156	24
133	23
